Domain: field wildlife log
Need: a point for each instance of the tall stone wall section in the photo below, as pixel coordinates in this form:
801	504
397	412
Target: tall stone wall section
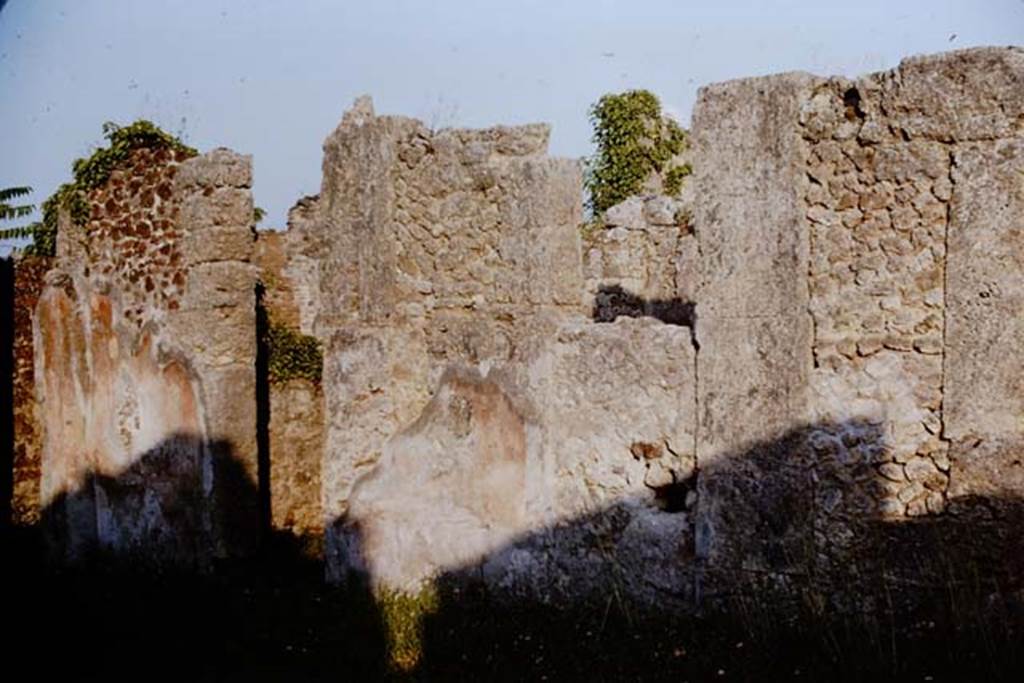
145	365
419	269
473	415
753	328
293	425
844	321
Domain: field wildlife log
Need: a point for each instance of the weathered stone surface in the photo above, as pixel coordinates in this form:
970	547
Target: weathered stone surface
27	282
748	175
145	366
415	221
494	459
448	489
296	446
627	213
877	207
752	325
435	247
984	374
643	263
974	94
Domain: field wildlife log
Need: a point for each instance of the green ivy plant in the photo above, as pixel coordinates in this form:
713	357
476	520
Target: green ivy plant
291	354
633	140
92	172
673	181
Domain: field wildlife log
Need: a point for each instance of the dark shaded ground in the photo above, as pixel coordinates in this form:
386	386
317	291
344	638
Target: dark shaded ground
273	619
269	619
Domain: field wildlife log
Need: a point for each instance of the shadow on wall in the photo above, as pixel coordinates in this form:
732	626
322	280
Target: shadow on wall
941	596
612	301
125	577
792	580
184	503
263	463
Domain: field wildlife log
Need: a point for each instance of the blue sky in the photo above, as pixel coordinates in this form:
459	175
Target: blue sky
272	78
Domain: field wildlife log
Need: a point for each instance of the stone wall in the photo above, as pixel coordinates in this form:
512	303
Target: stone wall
805	372
842	243
294	423
145	365
471	401
438	248
642	260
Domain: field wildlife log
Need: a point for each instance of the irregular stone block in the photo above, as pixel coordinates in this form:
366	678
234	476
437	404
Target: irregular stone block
984	374
219	168
749	174
973	94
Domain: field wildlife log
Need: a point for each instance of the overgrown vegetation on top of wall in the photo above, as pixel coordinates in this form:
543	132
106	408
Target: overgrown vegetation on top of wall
634	140
88	174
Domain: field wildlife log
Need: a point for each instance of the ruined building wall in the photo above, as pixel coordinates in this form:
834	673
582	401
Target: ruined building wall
145	351
293	425
470	400
844	227
419	269
642	260
806	369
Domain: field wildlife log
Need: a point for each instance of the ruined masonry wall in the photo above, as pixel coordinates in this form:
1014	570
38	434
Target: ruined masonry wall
294	427
436	247
858	229
149	418
792	374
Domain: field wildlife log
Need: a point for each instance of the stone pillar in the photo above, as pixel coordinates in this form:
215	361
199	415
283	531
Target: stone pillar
753	327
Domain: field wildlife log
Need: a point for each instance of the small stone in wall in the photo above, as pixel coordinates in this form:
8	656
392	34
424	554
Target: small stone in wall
661	210
628	213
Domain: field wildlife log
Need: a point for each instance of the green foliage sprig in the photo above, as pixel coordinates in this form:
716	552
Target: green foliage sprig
633	141
291	354
10	211
92	172
673	182
403	616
